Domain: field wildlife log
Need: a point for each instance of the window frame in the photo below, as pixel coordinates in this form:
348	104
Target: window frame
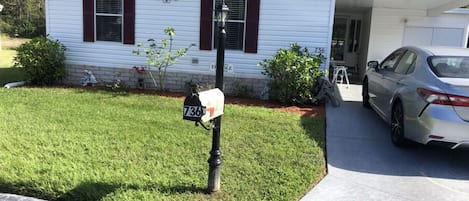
398	58
438	73
121	15
216	28
252	27
410	68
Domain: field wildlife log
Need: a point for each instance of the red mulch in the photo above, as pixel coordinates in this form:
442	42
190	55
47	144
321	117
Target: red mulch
313	111
304	110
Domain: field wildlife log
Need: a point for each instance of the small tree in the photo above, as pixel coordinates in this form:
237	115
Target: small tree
161	55
292	73
42	59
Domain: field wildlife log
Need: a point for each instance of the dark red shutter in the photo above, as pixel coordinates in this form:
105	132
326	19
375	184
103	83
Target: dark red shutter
206	21
252	26
88	20
129	21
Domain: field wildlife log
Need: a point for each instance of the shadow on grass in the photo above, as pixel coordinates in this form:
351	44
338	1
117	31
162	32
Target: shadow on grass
89	191
23	188
178	189
10	75
100	90
85	191
316	129
92	191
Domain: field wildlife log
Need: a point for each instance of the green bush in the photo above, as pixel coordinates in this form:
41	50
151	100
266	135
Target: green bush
292	73
42	60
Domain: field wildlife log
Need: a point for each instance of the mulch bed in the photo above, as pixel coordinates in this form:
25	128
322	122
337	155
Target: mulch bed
313	111
303	110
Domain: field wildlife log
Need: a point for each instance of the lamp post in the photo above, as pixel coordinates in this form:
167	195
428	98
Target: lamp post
215	161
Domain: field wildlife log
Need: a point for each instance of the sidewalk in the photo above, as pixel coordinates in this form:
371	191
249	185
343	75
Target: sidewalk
11	197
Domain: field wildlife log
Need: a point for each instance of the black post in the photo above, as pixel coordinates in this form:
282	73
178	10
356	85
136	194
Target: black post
215	161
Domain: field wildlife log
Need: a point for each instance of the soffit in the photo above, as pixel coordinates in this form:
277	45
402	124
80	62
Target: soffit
399	4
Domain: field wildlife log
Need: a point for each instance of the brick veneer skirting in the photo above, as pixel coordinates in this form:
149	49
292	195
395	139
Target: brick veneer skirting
175	81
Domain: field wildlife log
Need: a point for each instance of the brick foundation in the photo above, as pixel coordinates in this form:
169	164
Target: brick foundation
175	81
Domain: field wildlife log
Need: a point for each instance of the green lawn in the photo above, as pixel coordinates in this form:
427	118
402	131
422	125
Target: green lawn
73	144
7	53
7	72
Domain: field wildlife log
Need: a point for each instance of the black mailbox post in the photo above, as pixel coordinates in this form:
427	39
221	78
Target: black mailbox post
215	161
208	105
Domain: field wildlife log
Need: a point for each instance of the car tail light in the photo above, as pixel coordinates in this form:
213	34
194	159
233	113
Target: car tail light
436	137
442	98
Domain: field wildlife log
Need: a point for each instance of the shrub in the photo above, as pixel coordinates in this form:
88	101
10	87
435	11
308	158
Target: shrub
42	60
292	73
161	55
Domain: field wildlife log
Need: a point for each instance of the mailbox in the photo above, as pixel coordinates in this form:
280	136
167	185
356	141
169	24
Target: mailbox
204	106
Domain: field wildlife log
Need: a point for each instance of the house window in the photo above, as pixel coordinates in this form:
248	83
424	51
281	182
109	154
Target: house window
242	26
235	24
109	20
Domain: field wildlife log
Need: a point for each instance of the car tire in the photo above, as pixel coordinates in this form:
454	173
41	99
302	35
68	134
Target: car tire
365	95
397	126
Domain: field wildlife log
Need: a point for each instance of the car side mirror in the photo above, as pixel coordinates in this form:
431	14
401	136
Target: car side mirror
373	64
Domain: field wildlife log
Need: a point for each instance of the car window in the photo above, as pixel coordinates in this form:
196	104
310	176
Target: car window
407	63
391	60
450	66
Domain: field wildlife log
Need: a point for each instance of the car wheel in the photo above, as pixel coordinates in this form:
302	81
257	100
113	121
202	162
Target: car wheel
365	95
397	126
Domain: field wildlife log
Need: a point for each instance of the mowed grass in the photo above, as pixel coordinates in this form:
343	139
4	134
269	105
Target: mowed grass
74	144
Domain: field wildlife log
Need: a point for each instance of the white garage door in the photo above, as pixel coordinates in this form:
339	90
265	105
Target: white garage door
429	36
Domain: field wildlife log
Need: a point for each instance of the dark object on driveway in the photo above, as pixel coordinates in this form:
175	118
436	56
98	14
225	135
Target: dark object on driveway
323	89
423	93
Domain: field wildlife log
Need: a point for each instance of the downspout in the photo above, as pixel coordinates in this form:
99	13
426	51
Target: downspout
46	10
331	27
14	84
466	35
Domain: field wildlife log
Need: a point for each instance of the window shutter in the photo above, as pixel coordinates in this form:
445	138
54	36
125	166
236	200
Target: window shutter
129	21
88	20
252	26
206	20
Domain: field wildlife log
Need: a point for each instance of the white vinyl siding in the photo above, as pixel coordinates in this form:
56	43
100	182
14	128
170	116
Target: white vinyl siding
281	23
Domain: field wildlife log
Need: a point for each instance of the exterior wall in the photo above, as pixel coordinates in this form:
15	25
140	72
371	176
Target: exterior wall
281	23
388	27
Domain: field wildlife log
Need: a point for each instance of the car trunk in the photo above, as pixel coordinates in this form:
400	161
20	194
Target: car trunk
460	87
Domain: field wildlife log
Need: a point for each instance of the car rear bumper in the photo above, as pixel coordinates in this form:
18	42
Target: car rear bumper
439	124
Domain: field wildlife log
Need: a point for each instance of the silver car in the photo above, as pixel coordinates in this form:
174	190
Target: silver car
423	93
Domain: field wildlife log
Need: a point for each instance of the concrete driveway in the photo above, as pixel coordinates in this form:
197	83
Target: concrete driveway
363	164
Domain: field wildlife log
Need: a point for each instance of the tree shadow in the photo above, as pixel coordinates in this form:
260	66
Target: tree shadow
91	191
94	191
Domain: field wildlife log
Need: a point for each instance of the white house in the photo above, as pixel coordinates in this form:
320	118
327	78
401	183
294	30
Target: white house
101	34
